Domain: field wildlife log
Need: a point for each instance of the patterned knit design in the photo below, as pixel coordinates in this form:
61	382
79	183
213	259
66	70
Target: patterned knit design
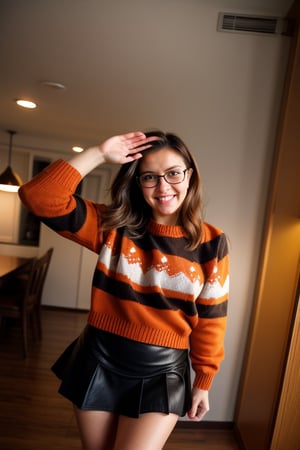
151	289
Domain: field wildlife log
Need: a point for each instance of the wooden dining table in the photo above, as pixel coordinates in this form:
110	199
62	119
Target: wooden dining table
10	264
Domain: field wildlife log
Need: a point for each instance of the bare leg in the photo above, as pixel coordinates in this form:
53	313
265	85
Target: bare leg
149	432
97	429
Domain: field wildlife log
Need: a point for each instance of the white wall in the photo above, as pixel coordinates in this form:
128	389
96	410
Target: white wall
234	136
226	109
231	126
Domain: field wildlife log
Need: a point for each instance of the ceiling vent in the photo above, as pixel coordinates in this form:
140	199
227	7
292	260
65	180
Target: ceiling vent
243	23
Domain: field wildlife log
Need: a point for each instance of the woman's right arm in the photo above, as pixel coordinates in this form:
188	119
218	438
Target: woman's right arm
50	195
54	187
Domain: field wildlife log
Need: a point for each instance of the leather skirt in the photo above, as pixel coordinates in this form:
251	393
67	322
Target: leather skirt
105	372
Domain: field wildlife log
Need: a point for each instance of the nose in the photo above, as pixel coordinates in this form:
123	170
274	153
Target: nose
161	182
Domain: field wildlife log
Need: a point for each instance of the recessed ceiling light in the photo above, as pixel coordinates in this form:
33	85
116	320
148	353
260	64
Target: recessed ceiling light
26	104
77	149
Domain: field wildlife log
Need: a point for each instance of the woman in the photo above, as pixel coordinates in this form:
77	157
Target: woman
159	291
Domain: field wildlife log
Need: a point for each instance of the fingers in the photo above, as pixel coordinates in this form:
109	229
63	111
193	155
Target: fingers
196	414
134	143
125	148
200	405
132	140
137	141
201	411
134	135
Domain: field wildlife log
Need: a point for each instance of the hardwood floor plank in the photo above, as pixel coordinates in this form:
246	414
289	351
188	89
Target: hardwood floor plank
33	416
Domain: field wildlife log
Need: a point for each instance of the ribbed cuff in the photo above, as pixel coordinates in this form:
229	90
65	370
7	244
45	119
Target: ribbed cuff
203	381
63	173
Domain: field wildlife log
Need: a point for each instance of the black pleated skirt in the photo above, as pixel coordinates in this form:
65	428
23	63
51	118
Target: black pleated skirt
105	372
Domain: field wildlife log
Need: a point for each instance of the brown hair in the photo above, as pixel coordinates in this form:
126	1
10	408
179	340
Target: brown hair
128	207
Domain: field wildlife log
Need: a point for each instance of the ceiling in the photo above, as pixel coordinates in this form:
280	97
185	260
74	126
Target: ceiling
116	58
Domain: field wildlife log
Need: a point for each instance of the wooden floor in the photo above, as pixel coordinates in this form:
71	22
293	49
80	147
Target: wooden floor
34	417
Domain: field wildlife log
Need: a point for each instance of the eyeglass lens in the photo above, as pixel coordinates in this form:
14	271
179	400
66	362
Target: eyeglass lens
171	177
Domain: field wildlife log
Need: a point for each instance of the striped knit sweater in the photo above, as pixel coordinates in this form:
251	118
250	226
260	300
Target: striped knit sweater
150	289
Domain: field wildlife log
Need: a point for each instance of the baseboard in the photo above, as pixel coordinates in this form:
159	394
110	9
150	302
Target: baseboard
65	309
206	425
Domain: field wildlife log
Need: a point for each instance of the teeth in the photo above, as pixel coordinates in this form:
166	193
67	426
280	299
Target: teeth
165	199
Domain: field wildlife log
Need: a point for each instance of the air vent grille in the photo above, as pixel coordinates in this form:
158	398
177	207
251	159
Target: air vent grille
241	23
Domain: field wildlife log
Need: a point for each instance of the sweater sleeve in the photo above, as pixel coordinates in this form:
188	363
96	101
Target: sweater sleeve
51	196
207	338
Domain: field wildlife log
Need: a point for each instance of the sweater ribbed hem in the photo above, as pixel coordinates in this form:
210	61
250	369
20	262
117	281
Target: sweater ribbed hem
137	332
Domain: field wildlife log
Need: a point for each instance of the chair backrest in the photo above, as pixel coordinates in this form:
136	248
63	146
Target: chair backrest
34	288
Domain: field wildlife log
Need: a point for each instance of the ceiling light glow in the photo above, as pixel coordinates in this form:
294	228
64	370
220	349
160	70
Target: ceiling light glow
26	104
77	149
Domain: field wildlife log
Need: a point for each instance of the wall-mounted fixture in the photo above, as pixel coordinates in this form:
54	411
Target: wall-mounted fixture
10	181
246	23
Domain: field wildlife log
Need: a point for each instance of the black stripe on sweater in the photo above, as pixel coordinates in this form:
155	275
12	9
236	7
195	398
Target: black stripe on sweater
72	221
215	248
213	312
124	291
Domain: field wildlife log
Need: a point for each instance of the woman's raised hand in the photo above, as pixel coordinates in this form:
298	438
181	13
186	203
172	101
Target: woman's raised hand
125	147
115	150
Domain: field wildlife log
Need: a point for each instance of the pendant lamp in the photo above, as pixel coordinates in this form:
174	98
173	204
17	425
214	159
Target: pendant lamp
10	181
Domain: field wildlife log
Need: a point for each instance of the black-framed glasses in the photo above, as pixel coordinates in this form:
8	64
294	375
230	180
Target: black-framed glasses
149	180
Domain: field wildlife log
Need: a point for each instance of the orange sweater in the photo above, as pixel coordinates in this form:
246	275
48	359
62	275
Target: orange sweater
150	289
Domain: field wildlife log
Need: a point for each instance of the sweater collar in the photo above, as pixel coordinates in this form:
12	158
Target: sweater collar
165	230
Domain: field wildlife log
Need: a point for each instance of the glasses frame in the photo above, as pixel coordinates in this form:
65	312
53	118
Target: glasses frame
161	176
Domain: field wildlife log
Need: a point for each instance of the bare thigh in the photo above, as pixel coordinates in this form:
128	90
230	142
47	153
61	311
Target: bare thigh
149	432
97	429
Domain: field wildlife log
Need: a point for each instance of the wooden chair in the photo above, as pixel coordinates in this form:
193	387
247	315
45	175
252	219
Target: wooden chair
21	297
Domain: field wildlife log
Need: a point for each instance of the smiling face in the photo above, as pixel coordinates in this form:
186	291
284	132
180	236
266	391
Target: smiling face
165	199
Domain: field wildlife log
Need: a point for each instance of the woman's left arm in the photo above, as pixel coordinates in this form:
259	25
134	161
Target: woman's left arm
207	338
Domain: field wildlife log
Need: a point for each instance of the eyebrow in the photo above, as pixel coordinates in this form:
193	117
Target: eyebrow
167	170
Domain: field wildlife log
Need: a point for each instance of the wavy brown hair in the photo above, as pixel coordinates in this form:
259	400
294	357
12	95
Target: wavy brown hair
128	207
